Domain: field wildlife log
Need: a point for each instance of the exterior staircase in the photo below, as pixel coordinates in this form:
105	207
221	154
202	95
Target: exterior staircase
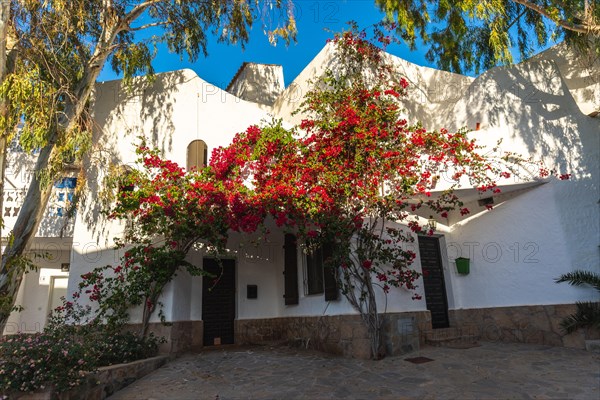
463	337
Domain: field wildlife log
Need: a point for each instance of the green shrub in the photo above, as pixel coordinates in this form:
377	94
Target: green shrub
30	362
33	361
73	344
126	347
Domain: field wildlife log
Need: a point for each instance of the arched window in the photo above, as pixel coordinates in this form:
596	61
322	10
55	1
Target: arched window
197	155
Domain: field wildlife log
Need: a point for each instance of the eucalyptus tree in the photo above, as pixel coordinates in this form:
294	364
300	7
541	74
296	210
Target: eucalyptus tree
474	35
4	59
62	46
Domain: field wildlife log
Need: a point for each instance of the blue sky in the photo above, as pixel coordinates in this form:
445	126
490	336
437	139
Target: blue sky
314	18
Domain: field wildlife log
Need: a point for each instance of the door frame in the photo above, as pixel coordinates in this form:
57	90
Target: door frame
235	293
51	292
443	262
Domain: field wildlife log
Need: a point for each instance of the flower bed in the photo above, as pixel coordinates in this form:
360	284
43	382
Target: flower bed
63	357
101	384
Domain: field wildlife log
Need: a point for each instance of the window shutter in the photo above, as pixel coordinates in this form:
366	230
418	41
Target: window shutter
329	275
290	270
197	152
314	272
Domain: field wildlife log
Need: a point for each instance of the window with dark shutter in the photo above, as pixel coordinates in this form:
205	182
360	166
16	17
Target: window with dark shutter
319	277
329	275
314	272
290	270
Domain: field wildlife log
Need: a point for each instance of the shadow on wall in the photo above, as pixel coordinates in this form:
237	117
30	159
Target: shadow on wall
19	172
431	93
530	102
122	115
293	96
530	106
59	218
581	72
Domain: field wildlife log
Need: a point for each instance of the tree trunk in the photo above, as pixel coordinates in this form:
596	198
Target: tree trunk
6	305
37	197
372	320
4	18
148	311
24	231
3	151
373	323
357	280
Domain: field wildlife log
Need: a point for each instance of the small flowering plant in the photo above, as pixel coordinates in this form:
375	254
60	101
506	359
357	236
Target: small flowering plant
73	344
137	281
170	210
59	356
33	361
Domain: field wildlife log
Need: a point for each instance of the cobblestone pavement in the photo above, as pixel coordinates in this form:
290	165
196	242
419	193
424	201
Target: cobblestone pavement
491	371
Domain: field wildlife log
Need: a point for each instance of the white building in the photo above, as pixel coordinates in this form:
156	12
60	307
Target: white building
544	108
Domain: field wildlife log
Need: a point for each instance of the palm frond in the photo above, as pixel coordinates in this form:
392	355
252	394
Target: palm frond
587	315
580	277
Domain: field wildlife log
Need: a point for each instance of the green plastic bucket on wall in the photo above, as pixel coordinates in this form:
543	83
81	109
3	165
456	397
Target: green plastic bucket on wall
462	265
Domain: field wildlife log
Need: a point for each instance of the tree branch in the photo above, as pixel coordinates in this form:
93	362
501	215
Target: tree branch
151	25
136	12
516	19
585	28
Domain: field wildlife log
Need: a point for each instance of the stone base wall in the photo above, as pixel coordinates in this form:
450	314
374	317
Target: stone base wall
522	324
344	335
403	333
180	336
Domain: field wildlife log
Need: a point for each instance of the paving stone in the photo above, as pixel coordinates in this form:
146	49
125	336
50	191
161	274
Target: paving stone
492	371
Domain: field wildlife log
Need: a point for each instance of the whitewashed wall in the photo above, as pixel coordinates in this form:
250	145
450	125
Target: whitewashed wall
580	73
48	254
537	230
518	249
175	109
260	262
429	92
258	83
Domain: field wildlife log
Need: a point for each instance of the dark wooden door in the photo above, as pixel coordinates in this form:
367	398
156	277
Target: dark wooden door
218	301
433	278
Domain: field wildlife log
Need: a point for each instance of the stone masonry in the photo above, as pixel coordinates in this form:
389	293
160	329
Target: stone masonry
524	324
180	336
344	335
403	333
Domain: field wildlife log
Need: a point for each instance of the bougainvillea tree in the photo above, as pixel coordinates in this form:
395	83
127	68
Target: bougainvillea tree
168	211
357	173
352	174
